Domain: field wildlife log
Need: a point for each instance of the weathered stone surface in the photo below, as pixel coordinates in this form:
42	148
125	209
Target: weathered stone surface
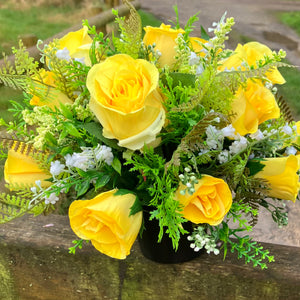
35	264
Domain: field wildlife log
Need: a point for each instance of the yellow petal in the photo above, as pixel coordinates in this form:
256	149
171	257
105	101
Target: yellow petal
21	169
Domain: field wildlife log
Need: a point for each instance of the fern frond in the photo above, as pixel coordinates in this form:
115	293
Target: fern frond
24	64
260	72
193	140
284	108
17	82
12	207
131	32
12	142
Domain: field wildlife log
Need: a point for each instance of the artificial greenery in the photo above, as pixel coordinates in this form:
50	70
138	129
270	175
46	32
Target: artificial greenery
196	105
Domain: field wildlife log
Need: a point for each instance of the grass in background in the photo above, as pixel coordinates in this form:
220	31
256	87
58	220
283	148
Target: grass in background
291	19
41	21
290	90
149	19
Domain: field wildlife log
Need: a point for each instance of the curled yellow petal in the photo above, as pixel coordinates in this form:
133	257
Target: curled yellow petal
105	220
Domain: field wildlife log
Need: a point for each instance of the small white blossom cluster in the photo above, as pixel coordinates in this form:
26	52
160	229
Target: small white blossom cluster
215	139
64	54
52	199
270	87
39	192
194	60
189	179
200	239
89	158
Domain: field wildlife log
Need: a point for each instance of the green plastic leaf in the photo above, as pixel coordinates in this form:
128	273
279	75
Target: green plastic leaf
72	130
51	139
102	181
82	188
136	207
95	129
255	166
122	192
204	34
116	164
66	111
183	78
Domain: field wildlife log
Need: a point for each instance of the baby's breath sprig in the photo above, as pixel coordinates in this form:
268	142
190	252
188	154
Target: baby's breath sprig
189	179
201	239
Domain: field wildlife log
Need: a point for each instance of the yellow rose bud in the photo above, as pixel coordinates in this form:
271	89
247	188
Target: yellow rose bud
164	38
22	170
252	106
251	53
105	221
53	97
210	202
126	100
78	43
282	177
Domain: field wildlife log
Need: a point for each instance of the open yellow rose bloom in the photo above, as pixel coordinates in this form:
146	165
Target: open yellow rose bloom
126	100
105	221
209	203
252	106
251	53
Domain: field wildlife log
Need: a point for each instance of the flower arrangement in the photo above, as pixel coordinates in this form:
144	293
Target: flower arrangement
178	124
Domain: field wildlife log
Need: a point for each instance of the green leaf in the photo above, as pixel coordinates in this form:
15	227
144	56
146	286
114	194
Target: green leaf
136	207
204	34
81	172
51	139
255	166
82	188
66	111
102	181
72	130
95	129
116	164
183	78
122	192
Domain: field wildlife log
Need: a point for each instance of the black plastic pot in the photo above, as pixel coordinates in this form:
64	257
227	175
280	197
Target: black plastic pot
163	251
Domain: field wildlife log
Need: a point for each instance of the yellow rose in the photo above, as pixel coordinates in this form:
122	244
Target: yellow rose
53	97
164	38
105	221
281	174
252	106
250	53
21	169
126	100
78	43
210	202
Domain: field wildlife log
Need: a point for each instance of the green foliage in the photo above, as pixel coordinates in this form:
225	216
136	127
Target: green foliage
161	187
77	244
14	206
131	32
252	252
